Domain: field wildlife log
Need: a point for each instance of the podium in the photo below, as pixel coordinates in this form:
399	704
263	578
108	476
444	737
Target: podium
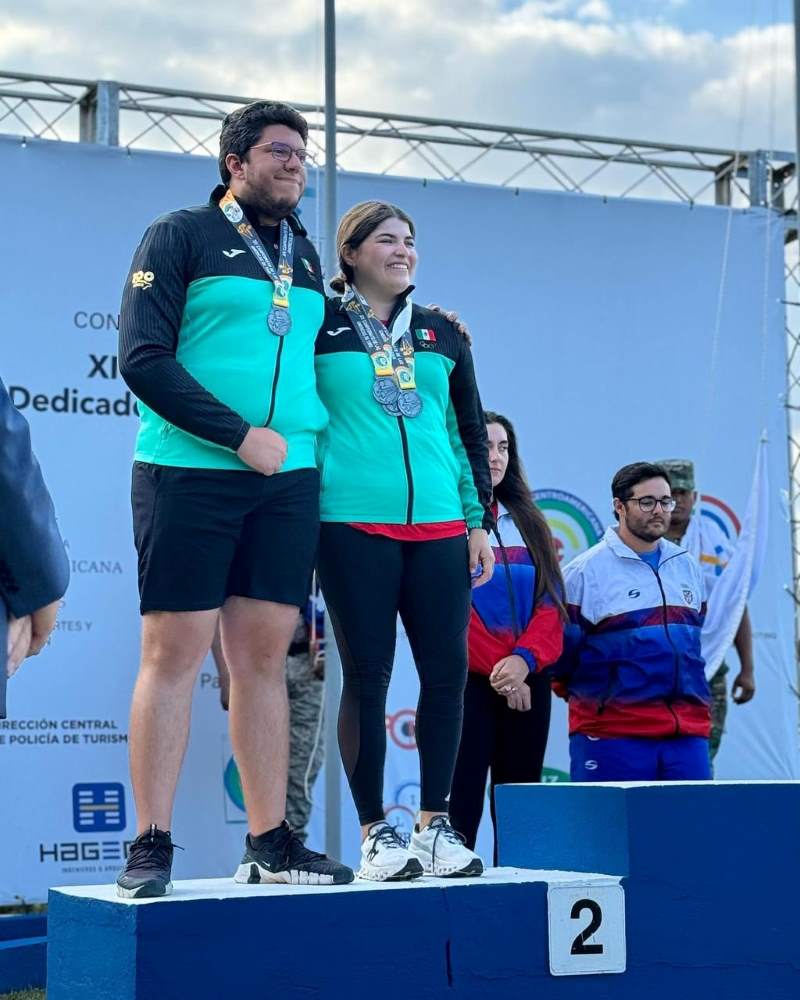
607	892
433	938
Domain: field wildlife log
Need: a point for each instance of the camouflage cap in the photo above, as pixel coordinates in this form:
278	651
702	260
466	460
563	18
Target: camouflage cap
681	472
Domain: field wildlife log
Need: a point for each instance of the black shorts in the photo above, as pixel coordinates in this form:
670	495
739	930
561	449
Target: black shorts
203	535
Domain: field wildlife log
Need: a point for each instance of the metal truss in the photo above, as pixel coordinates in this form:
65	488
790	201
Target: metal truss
161	118
140	117
792	307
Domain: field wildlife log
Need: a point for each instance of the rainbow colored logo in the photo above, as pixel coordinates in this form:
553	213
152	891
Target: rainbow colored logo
574	524
233	784
721	514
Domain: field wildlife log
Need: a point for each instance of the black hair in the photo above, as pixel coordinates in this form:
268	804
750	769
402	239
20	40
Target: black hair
514	493
631	475
242	129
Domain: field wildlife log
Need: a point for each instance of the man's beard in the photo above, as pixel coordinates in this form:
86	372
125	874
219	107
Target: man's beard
270	207
649	534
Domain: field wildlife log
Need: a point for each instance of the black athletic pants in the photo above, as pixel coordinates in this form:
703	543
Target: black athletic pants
366	580
498	740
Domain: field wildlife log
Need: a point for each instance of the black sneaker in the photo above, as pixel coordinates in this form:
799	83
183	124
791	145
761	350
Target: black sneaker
149	866
287	859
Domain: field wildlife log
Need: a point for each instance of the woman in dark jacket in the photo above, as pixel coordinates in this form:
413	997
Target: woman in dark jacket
404	512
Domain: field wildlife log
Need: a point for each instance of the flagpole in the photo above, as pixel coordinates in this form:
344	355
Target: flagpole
793	505
333	669
797	83
330	261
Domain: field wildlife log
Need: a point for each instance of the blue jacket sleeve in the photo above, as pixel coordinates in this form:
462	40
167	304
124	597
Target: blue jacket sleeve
34	570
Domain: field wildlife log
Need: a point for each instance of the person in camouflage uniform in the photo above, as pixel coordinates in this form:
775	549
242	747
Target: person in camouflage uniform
305	666
305	684
715	554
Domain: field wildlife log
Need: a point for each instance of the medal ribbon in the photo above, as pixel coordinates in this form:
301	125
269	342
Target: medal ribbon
391	356
281	277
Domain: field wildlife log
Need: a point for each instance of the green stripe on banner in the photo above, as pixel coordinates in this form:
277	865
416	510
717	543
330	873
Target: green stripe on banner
577	515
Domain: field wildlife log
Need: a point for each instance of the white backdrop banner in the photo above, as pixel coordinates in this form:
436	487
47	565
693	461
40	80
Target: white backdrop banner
596	336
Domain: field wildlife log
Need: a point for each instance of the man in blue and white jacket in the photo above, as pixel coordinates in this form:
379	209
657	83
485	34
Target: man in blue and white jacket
632	668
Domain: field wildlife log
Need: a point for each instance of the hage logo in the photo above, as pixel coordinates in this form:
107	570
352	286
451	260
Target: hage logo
98	807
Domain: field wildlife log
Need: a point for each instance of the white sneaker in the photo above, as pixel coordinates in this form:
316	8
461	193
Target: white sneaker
385	858
443	852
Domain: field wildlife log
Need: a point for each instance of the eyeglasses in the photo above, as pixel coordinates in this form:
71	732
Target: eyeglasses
283	152
648	504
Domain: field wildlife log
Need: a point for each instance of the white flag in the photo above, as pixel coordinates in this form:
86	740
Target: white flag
728	599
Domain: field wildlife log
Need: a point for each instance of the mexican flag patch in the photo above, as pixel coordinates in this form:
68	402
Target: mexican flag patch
428	335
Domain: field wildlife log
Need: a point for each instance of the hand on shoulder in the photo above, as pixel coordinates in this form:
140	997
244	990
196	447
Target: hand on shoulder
455	319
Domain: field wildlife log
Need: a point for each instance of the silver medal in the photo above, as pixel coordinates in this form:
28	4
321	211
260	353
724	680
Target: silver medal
393	408
410	404
279	321
385	389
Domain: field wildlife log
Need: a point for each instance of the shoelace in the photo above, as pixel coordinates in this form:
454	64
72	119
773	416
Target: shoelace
388	836
148	853
443	828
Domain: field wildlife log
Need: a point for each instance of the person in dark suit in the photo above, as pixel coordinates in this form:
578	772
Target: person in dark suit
34	570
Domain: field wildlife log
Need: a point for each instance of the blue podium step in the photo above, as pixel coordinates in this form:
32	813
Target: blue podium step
711	873
22	963
23	951
428	940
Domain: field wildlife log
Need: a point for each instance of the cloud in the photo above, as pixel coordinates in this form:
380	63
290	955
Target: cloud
754	76
570	65
595	9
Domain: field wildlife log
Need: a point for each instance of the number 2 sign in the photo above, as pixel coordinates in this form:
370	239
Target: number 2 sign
587	929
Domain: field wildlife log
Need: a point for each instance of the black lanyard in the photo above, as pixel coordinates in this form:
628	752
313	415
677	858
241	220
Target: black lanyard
393	362
279	319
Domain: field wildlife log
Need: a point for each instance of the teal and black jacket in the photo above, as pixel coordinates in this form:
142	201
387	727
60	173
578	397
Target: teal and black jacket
195	349
395	470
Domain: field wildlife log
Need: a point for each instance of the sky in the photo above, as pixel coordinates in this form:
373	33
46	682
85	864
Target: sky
710	72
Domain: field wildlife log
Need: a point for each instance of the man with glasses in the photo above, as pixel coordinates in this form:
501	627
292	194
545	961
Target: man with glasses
217	329
632	669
